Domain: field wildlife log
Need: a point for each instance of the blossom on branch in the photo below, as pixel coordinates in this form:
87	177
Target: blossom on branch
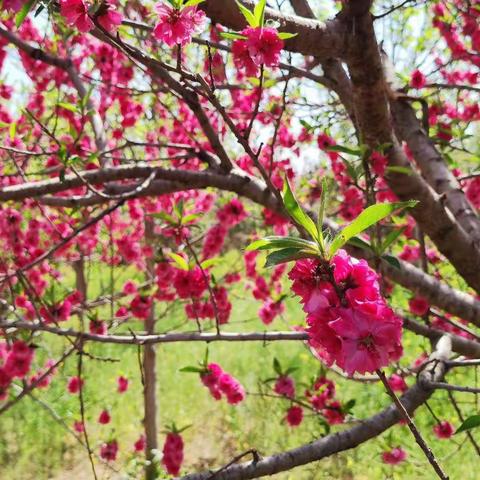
177	26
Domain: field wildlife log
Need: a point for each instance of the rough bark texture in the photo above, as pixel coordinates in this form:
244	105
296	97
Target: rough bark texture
375	125
434	169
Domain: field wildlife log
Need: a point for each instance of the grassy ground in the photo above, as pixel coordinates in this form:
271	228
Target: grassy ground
35	445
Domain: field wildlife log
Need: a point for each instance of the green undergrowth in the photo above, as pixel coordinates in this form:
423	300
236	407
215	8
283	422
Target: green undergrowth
35	443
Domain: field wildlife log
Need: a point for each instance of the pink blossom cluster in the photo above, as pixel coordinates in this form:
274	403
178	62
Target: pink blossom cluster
270	310
221	383
109	450
262	46
76	13
173	453
397	383
285	386
294	416
75	384
443	430
42	379
322	399
189	283
15	362
140	444
230	215
394	456
176	26
348	320
104	417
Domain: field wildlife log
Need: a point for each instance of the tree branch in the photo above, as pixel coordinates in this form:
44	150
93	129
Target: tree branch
336	442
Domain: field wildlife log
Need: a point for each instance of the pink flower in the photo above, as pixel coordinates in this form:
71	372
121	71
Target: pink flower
104	417
14	5
325	141
75	384
232	389
418	79
78	426
177	26
443	430
285	386
232	213
76	14
294	416
270	310
394	456
122	383
108	17
264	45
397	383
189	284
129	288
140	306
324	391
333	413
379	163
140	444
418	306
109	450
369	339
173	453
97	327
19	359
355	277
473	191
214	240
242	59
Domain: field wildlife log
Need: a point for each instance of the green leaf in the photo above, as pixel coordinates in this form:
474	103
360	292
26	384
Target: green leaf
259	12
249	16
274	242
469	423
391	237
349	151
370	216
190	217
12	130
348	406
277	367
210	262
395	169
286	255
4	125
22	14
232	36
358	242
192	3
286	35
179	260
164	216
326	184
393	261
192	369
296	212
178	209
68	106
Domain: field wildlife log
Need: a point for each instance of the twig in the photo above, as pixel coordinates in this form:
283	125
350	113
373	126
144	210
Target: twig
411	425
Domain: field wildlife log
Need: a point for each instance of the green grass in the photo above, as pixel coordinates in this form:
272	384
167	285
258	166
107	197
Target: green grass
34	445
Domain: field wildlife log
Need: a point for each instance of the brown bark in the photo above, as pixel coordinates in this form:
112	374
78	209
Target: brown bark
375	126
